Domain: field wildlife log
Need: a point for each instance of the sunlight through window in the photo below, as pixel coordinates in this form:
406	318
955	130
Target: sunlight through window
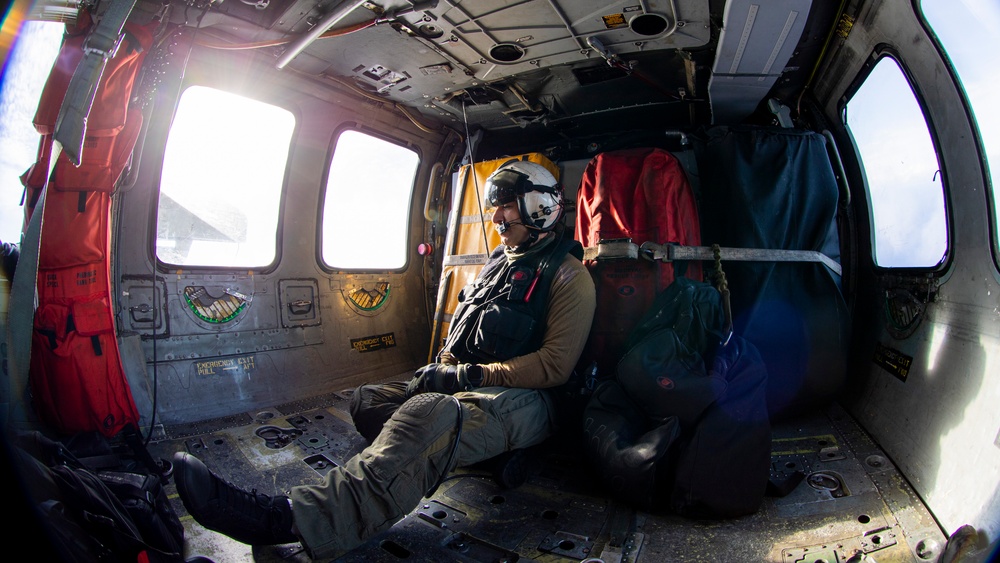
901	167
366	211
223	172
24	77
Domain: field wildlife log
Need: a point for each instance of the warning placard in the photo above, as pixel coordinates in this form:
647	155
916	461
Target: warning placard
372	343
242	365
892	361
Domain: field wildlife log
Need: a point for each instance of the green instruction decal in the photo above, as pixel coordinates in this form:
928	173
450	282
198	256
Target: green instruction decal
215	309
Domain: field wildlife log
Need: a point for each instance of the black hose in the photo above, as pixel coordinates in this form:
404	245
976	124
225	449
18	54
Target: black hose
454	447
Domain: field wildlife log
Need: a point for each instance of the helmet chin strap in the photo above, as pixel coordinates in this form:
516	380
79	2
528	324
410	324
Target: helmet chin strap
532	239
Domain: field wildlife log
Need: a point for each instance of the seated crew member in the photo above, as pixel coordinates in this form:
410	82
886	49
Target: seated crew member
514	334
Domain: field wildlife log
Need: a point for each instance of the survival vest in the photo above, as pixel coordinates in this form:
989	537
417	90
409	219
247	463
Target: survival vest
501	315
77	380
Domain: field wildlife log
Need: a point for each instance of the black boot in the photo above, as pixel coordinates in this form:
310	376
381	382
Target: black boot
248	517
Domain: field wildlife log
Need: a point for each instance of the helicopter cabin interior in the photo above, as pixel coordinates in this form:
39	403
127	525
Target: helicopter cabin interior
236	212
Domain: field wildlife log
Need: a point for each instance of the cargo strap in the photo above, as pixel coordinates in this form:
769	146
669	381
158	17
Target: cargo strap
99	47
624	248
21	313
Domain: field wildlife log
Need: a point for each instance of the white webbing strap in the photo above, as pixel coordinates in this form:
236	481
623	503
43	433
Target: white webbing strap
21	314
99	47
619	249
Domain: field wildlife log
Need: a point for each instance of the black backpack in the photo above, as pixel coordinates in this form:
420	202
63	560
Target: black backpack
100	507
683	426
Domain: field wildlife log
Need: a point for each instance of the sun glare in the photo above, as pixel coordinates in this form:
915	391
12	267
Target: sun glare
222	179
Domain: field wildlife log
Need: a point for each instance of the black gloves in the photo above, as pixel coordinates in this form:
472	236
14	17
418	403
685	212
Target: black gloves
445	378
9	253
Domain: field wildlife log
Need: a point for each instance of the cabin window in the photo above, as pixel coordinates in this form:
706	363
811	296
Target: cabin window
220	189
367	203
902	170
970	33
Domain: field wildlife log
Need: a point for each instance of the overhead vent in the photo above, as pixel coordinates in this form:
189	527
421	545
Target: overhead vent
506	53
489	41
648	25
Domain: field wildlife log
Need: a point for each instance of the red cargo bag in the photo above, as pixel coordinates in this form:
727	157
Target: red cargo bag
640	194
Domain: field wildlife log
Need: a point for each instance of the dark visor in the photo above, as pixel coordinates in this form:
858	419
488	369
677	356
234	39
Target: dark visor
505	186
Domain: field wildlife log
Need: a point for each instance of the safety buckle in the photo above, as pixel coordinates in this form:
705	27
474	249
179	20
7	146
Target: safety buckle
612	249
104	45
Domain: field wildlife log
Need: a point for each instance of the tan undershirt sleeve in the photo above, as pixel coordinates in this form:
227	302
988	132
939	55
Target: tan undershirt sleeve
572	302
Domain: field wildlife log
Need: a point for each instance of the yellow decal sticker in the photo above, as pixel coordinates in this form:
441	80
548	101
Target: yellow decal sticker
372	343
612	21
892	361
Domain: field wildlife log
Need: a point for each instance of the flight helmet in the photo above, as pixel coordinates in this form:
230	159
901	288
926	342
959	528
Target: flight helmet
539	195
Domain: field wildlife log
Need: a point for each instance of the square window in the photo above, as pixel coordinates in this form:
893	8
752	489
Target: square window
220	188
367	203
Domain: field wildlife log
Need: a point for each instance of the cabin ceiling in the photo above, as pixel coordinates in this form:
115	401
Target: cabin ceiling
548	67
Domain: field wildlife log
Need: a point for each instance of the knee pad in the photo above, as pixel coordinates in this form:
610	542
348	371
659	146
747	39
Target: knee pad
418	424
421	406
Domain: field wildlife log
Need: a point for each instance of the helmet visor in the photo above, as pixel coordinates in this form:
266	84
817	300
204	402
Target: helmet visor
503	187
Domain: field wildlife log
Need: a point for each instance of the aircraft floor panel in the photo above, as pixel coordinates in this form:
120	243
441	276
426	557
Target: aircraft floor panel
851	502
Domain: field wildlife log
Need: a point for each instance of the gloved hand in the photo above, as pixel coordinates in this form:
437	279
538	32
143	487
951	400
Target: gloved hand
445	378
